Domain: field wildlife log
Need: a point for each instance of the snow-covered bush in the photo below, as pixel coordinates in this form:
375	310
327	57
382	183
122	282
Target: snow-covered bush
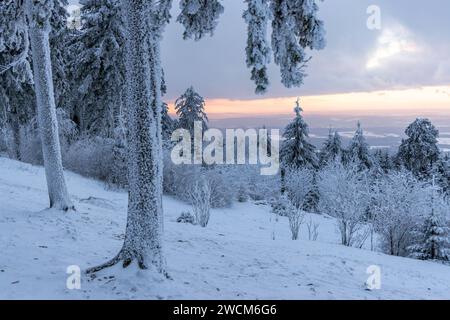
242	195
298	183
258	187
344	195
200	198
280	206
398	206
178	180
91	157
223	190
186	217
30	140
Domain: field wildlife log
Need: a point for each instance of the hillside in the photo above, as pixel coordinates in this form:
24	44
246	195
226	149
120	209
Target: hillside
235	257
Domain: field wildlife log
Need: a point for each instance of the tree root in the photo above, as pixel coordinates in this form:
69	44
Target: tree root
126	260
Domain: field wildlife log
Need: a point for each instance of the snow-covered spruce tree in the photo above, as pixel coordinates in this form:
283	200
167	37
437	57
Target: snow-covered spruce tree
358	150
383	160
144	25
313	197
332	149
420	151
38	14
190	107
433	236
296	151
257	17
97	67
15	74
59	52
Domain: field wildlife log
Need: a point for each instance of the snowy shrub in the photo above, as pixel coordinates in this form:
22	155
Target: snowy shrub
223	190
344	195
91	157
313	230
186	217
257	186
178	180
280	206
242	194
298	184
397	210
30	140
200	198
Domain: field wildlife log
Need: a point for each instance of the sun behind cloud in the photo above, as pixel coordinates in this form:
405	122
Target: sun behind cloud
394	41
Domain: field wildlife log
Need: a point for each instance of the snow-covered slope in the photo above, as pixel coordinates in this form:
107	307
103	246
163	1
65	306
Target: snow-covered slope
235	257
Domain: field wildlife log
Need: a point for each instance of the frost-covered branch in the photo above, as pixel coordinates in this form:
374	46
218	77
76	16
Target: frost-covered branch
199	17
258	50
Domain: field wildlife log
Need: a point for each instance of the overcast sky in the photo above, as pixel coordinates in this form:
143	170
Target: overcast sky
397	73
412	49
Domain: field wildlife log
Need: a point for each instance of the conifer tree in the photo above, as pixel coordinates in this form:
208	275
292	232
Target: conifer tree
97	67
296	151
358	150
332	149
419	152
433	241
190	107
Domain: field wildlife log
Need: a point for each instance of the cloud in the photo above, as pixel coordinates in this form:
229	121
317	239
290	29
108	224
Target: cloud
395	43
412	50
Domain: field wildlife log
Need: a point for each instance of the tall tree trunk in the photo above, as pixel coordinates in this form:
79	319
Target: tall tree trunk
143	237
46	111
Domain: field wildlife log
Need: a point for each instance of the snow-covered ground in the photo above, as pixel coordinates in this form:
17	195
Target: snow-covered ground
235	257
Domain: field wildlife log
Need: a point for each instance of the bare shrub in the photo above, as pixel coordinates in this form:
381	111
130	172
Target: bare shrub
313	230
296	218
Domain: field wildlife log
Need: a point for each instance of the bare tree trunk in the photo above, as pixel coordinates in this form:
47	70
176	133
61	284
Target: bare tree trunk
46	110
143	237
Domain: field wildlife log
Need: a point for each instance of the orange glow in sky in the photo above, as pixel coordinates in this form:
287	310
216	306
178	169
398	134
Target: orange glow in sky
429	100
